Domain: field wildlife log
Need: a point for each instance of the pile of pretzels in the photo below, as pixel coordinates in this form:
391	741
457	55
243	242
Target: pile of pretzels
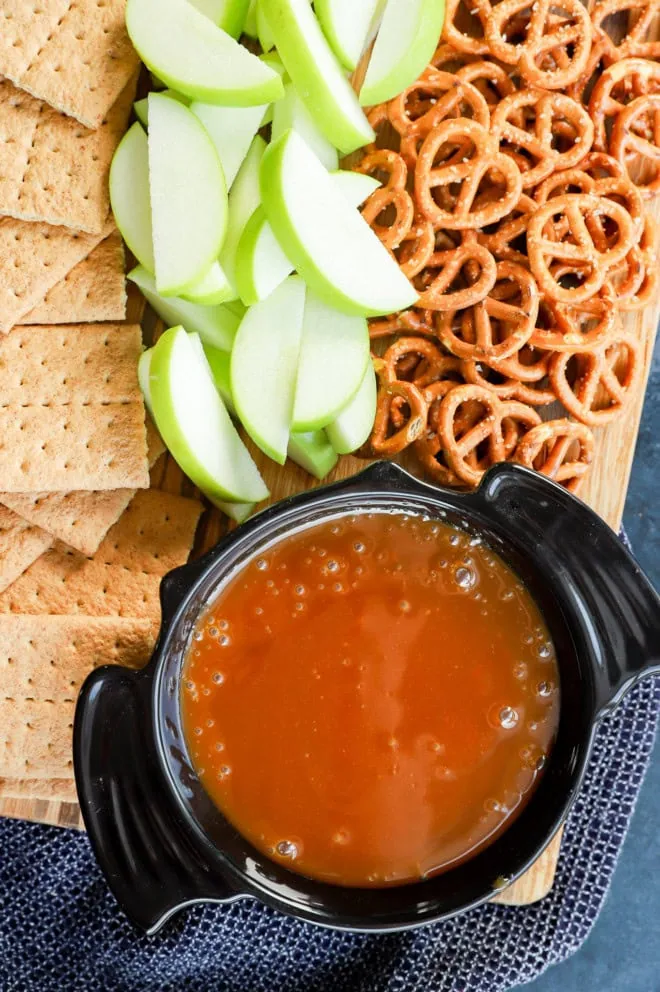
513	179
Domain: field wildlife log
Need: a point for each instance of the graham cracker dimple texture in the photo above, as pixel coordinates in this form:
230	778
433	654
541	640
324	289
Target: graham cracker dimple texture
33	259
93	290
73	54
71	410
52	169
21	544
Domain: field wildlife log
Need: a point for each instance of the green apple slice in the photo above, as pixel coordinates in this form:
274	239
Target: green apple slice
244	198
334	353
264	34
211	289
328	242
216	325
194	56
291	112
250	26
129	194
220	366
232	130
406	40
143	371
141	107
317	74
352	427
264	364
261	265
347	24
188	195
313	452
227	14
195	425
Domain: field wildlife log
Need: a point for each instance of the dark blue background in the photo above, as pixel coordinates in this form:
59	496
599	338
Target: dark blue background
623	952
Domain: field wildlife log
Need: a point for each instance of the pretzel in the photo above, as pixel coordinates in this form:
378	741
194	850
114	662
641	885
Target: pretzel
416	248
486	429
429	363
428	447
601	387
495	327
482	160
636	135
555	49
635	280
618	188
580	252
382	440
547	449
450	96
405	322
469	263
534	392
599	165
576	327
448	58
489	78
500	241
471	15
618	85
391	202
538	139
634	41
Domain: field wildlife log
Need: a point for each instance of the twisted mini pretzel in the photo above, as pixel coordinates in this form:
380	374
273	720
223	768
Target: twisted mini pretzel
553	113
602	385
636	135
635	41
555	47
500	241
471	15
618	85
576	327
391	201
487	429
483	159
635	280
579	251
500	324
548	448
401	394
469	262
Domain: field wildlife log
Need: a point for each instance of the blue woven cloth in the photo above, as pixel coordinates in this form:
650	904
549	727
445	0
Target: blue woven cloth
60	928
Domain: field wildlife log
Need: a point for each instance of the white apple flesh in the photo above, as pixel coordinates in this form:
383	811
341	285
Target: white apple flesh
317	74
194	56
334	352
264	365
232	130
211	289
244	198
216	325
188	195
328	242
129	195
195	425
347	24
405	43
141	107
291	112
352	427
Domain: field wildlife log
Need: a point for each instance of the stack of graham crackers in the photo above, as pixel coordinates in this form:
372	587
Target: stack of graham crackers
84	541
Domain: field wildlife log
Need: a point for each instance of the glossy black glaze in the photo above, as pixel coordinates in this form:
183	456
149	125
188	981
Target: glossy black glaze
164	845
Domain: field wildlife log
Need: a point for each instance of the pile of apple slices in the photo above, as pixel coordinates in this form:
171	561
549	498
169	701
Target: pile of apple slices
255	253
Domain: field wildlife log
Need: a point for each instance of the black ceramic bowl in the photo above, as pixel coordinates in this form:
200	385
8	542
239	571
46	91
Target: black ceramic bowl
161	842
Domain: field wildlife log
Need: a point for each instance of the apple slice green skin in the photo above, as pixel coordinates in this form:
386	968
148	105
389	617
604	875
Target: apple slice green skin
329	244
232	130
317	74
347	25
129	194
143	372
404	46
264	34
261	265
264	365
188	195
313	452
334	353
212	289
195	425
250	26
193	56
291	112
216	326
244	198
352	427
229	15
220	366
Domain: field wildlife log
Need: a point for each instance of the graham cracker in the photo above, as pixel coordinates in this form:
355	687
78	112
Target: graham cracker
61	790
21	544
52	168
75	56
154	535
71	410
43	662
33	259
94	290
80	520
